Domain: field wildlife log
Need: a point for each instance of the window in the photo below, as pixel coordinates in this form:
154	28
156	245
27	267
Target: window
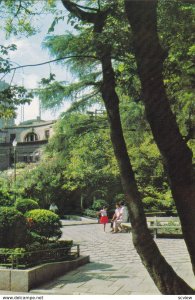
31	137
25	158
47	134
12	137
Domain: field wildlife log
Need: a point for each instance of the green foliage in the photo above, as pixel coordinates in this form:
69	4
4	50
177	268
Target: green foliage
177	36
50	245
24	205
19	17
6	196
90	213
98	204
82	144
169	230
33	237
79	49
79	162
35	254
119	197
10	98
155	200
79	158
13	228
43	183
20	165
45	223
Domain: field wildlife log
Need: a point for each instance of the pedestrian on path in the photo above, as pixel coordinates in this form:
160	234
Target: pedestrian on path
104	217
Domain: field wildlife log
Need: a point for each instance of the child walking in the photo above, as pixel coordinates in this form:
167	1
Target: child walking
104	217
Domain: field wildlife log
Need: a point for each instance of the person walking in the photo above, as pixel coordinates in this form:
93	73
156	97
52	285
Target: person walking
103	217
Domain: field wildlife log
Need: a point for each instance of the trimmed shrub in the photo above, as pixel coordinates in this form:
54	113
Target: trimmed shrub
35	238
36	254
13	228
24	205
45	223
50	245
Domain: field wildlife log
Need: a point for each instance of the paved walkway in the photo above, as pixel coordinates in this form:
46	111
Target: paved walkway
115	267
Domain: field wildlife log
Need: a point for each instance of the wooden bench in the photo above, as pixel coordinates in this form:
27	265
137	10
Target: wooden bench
126	226
152	228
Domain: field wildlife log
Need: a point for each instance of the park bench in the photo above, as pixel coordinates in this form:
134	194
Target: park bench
155	224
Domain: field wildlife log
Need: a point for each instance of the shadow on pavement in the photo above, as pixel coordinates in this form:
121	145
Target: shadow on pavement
83	274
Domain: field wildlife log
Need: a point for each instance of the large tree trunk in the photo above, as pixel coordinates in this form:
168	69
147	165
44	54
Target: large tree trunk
142	16
167	281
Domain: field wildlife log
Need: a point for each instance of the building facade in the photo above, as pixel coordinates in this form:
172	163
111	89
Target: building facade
31	137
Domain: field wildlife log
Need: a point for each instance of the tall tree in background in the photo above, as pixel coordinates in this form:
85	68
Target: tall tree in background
163	275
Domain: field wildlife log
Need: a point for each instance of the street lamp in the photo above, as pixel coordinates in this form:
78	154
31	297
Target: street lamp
14	144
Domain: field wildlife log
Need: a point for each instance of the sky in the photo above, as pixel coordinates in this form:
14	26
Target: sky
30	51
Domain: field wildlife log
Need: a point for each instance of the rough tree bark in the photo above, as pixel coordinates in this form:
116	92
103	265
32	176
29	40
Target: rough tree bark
167	281
142	16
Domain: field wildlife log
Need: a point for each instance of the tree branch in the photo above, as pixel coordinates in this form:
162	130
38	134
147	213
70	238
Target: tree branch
99	5
79	13
50	61
98	18
18	10
87	8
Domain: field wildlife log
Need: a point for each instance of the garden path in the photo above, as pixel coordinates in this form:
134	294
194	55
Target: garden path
115	267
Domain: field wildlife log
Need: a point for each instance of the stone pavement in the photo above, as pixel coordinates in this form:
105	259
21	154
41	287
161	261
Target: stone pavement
115	267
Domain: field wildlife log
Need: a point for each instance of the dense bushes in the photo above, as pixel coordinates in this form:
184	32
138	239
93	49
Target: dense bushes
6	202
98	204
13	228
24	205
90	213
36	254
44	223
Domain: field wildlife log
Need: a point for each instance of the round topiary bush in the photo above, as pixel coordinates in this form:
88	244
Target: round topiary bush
24	205
45	223
13	228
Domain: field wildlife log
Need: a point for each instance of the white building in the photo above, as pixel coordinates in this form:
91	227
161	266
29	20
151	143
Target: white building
31	136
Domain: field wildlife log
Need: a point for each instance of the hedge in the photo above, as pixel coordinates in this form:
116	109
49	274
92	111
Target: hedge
13	228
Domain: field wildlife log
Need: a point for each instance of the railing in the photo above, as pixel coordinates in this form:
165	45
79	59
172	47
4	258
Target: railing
157	225
33	258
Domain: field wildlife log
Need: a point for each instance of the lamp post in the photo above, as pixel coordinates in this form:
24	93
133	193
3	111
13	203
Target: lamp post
14	144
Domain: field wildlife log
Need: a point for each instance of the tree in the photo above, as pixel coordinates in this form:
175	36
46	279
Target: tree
178	157
82	144
17	17
11	96
163	275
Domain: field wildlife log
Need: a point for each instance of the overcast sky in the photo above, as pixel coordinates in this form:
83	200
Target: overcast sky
30	51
